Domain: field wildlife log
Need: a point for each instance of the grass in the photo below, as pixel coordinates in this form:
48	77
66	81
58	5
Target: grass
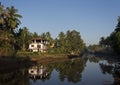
44	57
40	55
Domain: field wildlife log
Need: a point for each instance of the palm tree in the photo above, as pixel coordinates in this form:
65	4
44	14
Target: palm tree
9	20
13	18
2	16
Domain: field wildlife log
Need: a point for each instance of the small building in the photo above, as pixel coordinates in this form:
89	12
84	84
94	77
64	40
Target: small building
38	45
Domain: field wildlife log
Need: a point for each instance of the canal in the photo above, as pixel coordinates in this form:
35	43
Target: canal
79	71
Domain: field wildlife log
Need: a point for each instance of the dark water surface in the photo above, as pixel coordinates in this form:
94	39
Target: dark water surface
80	71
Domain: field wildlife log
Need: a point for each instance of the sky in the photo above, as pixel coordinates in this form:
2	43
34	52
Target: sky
92	18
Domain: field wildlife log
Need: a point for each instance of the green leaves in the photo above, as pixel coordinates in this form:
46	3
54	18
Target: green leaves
116	44
114	39
70	42
9	19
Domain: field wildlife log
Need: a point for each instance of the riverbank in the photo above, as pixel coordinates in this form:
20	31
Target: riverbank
9	63
25	59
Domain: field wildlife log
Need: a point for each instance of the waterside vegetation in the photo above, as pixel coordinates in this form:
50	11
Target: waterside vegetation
15	40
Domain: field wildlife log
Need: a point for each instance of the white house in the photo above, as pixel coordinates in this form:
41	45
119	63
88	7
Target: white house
38	44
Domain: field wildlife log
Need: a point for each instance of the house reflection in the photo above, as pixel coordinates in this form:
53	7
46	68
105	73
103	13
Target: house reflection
38	72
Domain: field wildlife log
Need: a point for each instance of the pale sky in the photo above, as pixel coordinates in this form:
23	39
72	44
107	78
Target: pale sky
92	18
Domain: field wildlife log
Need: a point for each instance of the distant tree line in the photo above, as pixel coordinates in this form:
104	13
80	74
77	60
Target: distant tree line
113	40
13	38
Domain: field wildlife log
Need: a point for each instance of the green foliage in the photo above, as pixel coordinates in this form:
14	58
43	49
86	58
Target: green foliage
24	38
116	44
69	42
35	35
9	21
114	39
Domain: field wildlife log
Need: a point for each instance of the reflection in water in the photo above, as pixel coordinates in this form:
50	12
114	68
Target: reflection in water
80	71
18	77
69	70
106	68
113	69
38	72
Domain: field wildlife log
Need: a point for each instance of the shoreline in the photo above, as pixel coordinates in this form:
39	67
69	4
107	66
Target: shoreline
11	63
7	63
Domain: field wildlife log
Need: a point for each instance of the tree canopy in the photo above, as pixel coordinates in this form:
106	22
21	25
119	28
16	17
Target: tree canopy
70	42
15	38
9	21
113	39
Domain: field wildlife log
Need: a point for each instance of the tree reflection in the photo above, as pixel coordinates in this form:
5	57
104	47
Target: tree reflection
106	68
116	74
18	77
113	69
71	70
94	59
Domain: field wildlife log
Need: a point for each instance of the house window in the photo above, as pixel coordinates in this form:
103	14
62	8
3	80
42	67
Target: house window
32	45
38	46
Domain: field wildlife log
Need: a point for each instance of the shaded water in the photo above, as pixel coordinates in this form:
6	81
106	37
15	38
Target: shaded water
80	71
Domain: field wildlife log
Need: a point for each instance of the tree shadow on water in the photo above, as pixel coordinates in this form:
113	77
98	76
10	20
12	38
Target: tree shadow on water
8	63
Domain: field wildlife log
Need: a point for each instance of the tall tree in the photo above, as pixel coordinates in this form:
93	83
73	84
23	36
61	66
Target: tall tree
61	42
24	38
43	35
13	18
116	44
2	16
118	25
9	20
75	41
48	37
70	42
114	39
35	35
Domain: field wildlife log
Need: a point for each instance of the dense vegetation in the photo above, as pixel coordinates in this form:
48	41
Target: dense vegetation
13	38
9	21
114	39
69	42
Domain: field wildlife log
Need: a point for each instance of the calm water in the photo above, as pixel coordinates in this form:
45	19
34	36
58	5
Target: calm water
81	71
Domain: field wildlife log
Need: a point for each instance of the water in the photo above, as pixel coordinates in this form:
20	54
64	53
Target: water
81	71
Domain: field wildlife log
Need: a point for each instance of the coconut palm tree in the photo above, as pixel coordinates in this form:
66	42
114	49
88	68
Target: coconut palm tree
9	20
12	18
2	16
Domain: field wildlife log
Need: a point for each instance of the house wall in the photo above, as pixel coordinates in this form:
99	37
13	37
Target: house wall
35	47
